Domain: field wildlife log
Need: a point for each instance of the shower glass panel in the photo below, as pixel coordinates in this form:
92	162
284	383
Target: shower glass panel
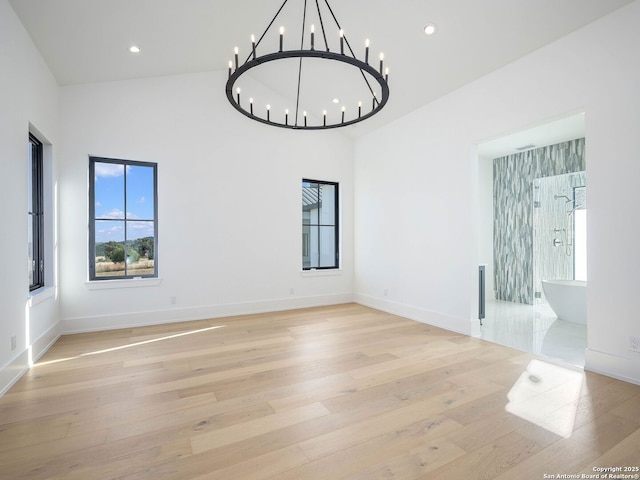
580	233
558	235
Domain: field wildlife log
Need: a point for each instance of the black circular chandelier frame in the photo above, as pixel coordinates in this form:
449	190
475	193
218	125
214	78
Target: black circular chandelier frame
236	70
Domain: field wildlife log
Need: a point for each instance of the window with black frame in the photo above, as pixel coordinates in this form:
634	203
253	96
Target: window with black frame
36	214
319	225
123	219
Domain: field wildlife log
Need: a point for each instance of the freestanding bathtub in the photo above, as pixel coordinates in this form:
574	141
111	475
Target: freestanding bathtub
567	298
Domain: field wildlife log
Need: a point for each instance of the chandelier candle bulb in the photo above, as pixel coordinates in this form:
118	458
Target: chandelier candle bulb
268	111
341	42
251	105
324	117
238	94
230	67
343	109
313	35
359	109
253	46
386	75
286	116
366	51
381	61
236	51
304	114
281	37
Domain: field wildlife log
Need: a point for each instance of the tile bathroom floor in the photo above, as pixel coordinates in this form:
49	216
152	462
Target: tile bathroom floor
534	329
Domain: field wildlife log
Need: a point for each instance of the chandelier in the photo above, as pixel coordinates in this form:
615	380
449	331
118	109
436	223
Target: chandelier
328	55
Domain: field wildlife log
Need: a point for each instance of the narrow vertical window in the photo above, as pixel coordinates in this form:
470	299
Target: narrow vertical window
319	225
35	214
122	219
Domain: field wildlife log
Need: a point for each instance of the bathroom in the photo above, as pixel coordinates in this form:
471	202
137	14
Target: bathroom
534	203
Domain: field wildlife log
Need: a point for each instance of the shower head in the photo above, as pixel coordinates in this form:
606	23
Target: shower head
557	197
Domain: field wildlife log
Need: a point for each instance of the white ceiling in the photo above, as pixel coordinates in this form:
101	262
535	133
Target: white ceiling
86	41
550	133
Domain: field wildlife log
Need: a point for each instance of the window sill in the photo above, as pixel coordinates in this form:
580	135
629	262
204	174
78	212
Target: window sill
321	273
42	294
122	283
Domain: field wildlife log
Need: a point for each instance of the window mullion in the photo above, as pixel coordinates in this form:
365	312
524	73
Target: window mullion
124	224
318	226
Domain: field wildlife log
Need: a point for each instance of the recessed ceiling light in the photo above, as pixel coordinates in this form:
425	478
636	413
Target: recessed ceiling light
135	49
336	100
430	28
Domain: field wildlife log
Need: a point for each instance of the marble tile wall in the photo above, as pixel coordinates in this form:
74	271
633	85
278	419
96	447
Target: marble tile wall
513	178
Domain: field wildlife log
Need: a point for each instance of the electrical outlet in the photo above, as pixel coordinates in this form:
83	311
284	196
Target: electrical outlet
634	344
14	342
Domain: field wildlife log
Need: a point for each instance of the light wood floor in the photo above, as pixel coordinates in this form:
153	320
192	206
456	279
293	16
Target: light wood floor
322	393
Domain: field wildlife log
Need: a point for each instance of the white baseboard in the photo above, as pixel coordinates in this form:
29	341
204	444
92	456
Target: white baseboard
613	366
170	315
45	342
12	372
418	314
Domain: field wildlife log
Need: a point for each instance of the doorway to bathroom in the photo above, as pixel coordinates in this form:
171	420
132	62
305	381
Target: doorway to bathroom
532	197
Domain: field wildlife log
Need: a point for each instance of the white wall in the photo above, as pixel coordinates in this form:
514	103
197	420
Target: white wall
229	203
416	186
28	95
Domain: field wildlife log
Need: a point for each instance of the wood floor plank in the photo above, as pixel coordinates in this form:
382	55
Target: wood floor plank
562	458
237	433
342	391
367	459
378	425
213	350
415	463
488	461
262	467
605	432
23	463
623	454
486	429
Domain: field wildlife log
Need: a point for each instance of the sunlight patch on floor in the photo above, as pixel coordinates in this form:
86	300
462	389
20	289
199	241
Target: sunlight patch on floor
130	345
547	395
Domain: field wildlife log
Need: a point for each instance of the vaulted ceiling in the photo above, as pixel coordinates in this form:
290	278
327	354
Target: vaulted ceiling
86	41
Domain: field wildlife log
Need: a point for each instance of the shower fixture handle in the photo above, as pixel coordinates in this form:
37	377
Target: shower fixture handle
557	197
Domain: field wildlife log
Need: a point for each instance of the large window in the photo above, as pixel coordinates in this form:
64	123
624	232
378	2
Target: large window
319	225
123	228
36	214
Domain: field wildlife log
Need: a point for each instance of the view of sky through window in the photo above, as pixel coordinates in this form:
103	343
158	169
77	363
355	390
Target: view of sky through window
112	203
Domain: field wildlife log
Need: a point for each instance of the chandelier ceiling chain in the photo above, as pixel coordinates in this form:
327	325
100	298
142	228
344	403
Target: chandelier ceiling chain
369	74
